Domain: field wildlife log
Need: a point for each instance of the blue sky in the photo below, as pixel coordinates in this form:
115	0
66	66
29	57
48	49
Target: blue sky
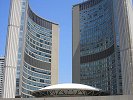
59	11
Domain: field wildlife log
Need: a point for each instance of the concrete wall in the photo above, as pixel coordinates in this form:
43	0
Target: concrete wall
127	70
55	54
75	45
123	12
121	97
11	49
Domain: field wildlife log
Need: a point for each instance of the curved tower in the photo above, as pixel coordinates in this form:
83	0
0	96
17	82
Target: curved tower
96	52
36	63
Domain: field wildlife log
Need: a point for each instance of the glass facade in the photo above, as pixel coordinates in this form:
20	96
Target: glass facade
38	45
34	52
2	61
99	47
20	48
31	50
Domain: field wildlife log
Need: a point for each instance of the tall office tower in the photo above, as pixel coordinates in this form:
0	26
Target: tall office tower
102	45
2	60
31	52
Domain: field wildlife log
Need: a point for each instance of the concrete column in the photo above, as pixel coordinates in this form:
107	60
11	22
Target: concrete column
12	49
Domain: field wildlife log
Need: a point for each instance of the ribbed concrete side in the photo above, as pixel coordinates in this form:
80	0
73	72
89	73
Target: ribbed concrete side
11	49
124	14
129	74
55	54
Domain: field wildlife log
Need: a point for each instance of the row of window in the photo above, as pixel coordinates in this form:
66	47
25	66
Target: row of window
97	13
41	22
38	55
25	96
38	48
36	79
103	27
99	73
36	51
39	41
31	41
89	4
26	92
29	87
40	30
98	36
35	74
39	36
47	72
32	83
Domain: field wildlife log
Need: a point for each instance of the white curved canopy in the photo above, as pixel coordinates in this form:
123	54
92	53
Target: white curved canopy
70	86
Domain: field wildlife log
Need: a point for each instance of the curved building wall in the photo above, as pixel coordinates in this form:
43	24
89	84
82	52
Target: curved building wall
34	45
98	50
36	72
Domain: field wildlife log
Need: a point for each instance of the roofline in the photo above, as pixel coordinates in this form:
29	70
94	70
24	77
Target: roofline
42	17
79	3
2	57
86	87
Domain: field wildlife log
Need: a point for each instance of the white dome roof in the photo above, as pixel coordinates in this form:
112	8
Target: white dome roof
70	86
68	89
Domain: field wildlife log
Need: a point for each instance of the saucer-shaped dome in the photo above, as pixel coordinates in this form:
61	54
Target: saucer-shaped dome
70	86
68	89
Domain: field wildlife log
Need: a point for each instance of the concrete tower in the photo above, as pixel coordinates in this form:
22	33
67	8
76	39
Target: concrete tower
123	11
11	49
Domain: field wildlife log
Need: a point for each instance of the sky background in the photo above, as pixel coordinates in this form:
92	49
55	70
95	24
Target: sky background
58	11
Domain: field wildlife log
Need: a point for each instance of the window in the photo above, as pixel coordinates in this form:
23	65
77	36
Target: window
38	35
41	80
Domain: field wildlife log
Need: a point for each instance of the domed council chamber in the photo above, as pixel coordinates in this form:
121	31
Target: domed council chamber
70	89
